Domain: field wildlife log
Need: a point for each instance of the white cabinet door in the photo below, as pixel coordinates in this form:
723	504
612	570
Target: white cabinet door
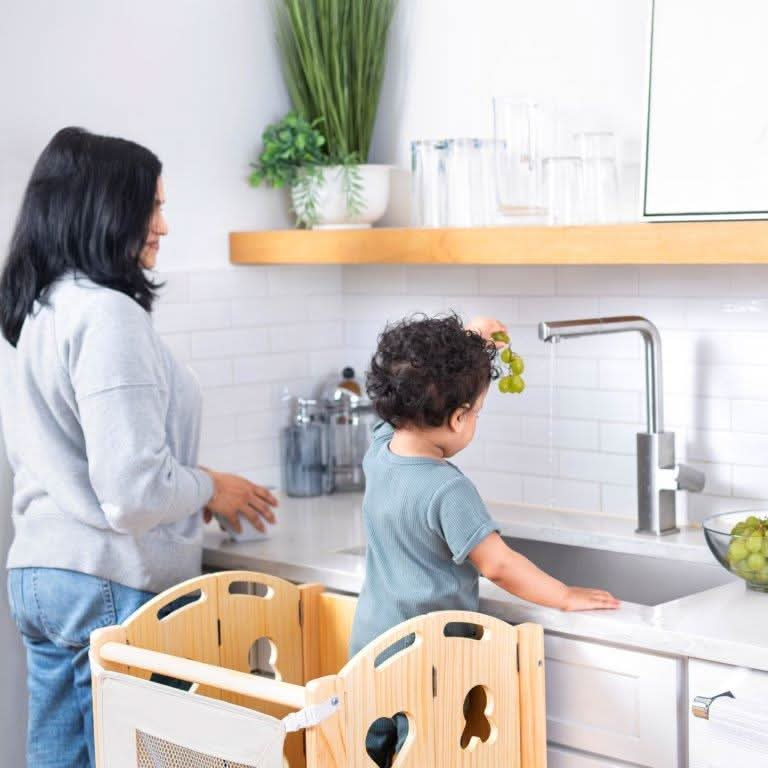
613	703
562	757
706	678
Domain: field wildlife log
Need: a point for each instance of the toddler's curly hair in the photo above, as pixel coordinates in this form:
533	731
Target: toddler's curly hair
427	367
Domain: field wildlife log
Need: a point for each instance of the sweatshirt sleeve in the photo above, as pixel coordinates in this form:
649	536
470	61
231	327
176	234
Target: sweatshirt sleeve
118	374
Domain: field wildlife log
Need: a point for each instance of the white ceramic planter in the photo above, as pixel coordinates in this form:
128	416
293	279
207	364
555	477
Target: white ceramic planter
332	199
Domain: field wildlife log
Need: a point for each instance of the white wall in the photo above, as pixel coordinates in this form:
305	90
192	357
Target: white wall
449	58
193	80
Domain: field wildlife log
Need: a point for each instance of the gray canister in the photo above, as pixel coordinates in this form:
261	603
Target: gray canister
305	451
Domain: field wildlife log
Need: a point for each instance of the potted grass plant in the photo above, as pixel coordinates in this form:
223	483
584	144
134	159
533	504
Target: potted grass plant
333	60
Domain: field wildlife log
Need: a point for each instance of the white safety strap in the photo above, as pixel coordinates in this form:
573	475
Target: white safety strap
314	714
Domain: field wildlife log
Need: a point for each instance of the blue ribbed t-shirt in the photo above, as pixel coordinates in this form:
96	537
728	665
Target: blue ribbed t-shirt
422	519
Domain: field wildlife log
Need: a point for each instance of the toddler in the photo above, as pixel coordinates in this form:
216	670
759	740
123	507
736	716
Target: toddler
428	533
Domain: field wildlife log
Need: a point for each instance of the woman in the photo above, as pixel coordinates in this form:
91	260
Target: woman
101	424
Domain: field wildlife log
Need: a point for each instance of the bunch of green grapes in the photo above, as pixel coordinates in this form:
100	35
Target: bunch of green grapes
748	550
512	382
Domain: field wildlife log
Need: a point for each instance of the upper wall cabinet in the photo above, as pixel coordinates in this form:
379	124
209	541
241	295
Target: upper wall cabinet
707	134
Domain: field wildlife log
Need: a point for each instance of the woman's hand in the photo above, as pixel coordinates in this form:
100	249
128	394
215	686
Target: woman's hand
234	496
583	599
485	326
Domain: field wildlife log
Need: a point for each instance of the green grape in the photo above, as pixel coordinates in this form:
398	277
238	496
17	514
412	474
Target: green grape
761	577
755	542
738	529
743	570
517	384
517	366
755	562
752	521
506	355
504	383
764	550
737	551
500	336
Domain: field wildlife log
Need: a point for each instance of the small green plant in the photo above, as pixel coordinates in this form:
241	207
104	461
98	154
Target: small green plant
293	156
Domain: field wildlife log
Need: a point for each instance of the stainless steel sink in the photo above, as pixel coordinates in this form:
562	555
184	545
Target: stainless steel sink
632	578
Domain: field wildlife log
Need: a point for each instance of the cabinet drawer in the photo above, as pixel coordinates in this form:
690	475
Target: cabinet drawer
612	702
706	678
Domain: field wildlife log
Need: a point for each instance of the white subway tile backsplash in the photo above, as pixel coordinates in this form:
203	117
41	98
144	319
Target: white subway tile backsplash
270	310
665	313
559	433
499	487
290	338
272	367
750	415
681	281
212	373
230	343
428	281
549	308
596	281
254	333
374	279
304	280
222	284
571	371
520	459
560	493
619	500
200	316
598	467
727	314
599	405
516	281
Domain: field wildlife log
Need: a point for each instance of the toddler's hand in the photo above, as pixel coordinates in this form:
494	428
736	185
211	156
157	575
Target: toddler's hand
582	599
485	326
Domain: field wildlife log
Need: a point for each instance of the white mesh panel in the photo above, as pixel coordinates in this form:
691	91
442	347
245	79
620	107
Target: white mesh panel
153	752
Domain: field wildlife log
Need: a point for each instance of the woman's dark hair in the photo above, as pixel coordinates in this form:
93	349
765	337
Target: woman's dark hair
427	367
86	210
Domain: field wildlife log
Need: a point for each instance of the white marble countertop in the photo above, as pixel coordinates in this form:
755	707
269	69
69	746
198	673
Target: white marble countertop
728	624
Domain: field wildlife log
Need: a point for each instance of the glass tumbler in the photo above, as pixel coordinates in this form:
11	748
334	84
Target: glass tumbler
601	177
518	133
470	183
428	188
563	180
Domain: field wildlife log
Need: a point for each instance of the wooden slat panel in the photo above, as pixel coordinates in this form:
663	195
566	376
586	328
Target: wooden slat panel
461	664
533	714
189	632
730	242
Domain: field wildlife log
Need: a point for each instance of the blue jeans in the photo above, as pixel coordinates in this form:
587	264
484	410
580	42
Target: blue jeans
56	611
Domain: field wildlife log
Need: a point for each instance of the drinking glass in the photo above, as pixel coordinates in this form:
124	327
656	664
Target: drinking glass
428	191
601	177
518	133
563	180
470	183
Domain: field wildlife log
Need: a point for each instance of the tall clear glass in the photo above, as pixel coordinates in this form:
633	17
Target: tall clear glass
563	180
518	127
428	188
601	176
470	183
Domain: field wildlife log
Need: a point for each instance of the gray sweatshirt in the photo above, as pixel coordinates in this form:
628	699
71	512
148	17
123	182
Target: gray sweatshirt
102	429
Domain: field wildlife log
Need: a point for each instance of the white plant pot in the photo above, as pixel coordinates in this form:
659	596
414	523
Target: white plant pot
332	199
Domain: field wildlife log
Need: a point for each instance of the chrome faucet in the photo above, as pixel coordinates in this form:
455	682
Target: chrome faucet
658	476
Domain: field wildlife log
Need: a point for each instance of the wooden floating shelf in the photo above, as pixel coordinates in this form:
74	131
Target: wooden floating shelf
717	242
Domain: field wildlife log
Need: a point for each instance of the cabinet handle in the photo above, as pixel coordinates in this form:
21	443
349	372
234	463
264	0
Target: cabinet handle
701	704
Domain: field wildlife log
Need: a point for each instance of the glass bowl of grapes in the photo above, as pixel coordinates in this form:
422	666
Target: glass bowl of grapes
739	541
